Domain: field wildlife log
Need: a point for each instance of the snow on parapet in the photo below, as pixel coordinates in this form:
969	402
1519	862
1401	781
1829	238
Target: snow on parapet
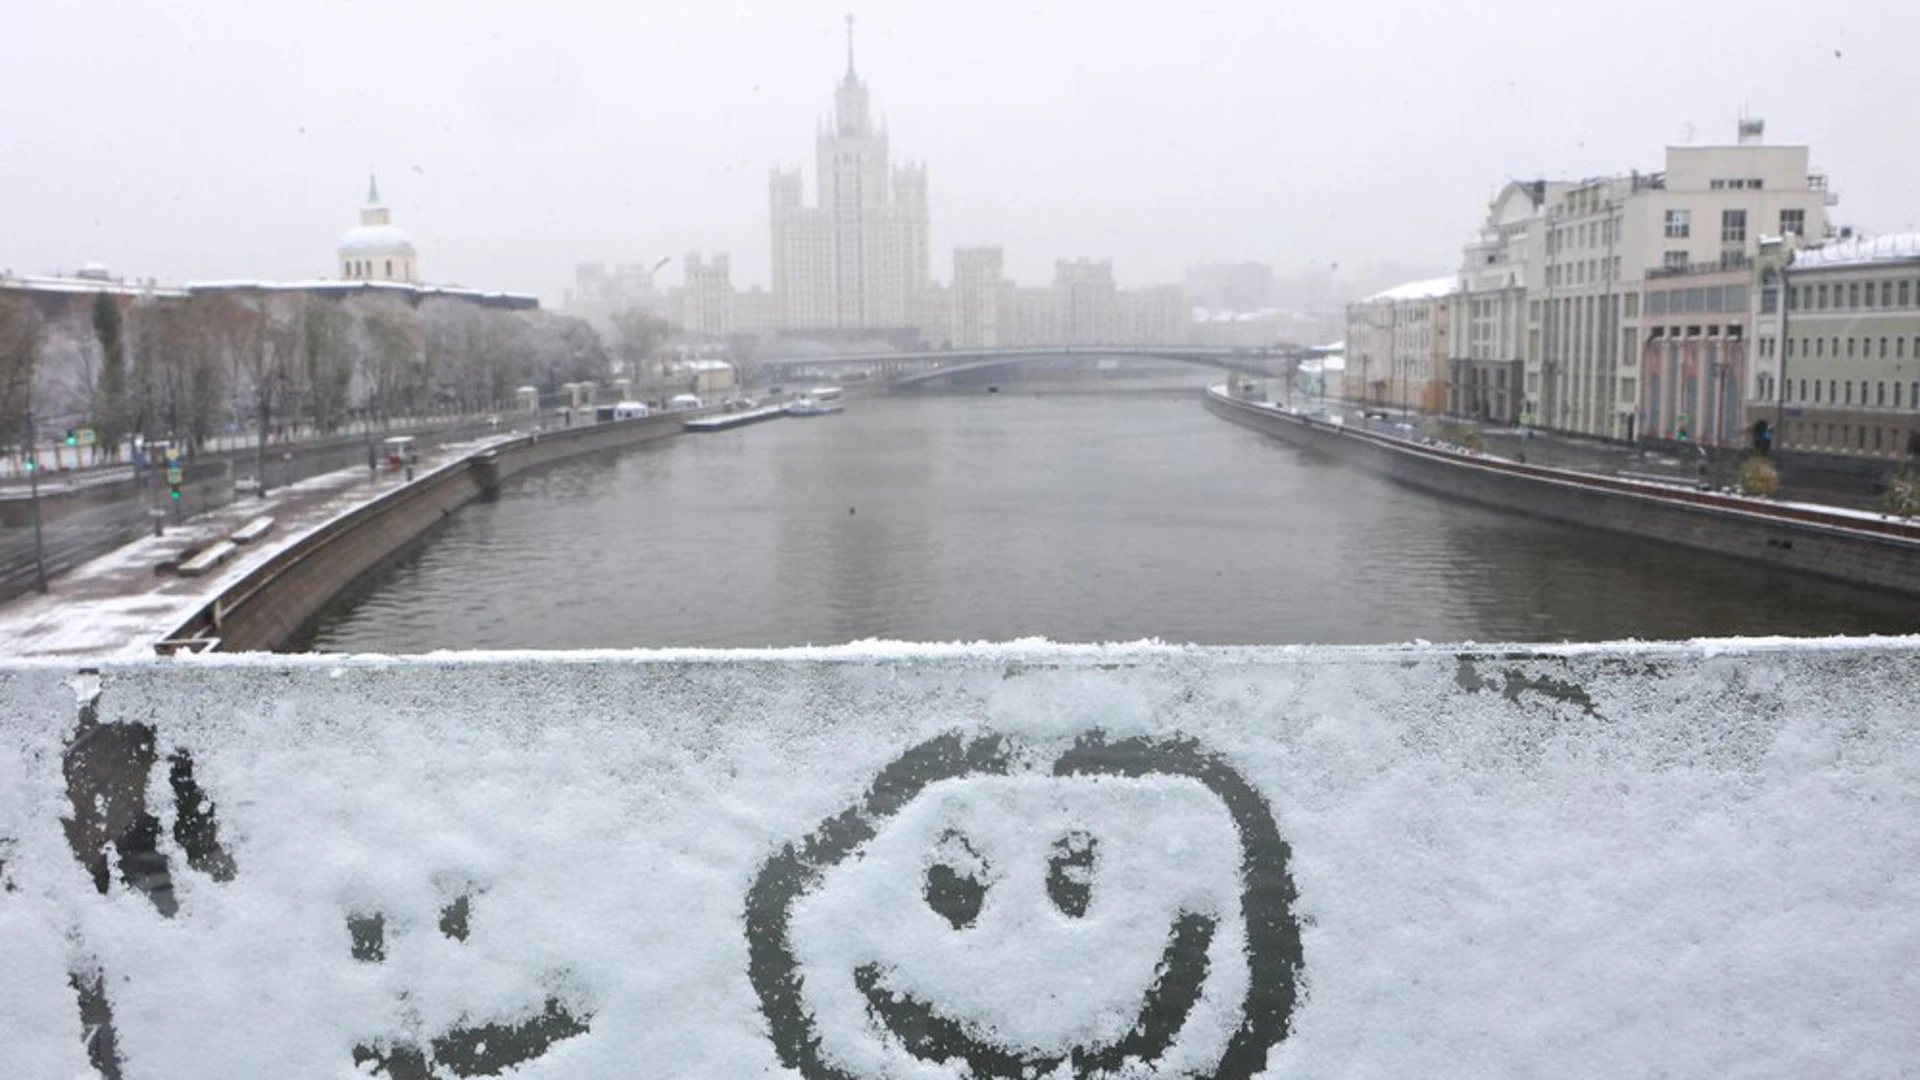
1429	289
1688	860
1894	247
505	299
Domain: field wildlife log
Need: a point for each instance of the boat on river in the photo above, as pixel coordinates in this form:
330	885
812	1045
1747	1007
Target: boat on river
816	402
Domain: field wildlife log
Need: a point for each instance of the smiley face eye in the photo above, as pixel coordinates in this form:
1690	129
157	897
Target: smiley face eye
956	886
1070	873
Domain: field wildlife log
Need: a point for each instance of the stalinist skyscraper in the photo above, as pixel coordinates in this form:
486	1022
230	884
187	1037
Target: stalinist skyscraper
858	259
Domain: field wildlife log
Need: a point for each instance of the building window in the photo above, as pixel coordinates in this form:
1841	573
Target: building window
1883	348
1880	394
1679	224
1816	391
1803	390
1674	260
1868	298
1849	348
1896	395
1903	294
1833	390
1853	294
1886	294
1793	221
1849	391
1876	440
1733	226
1820	300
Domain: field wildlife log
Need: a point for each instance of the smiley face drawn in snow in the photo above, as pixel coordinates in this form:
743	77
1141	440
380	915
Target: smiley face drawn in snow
1116	908
466	1049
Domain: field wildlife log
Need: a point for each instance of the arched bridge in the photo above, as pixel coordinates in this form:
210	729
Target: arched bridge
906	370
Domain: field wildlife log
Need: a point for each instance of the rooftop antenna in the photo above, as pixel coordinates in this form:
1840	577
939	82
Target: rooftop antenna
849	46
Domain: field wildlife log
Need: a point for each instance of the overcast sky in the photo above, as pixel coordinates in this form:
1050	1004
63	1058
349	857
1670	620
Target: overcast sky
198	139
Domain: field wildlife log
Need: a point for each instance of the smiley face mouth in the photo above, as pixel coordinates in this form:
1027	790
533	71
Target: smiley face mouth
933	1037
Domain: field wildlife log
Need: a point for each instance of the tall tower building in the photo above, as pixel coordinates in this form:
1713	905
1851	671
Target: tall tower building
858	259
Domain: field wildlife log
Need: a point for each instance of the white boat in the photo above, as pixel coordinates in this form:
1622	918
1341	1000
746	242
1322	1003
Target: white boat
809	405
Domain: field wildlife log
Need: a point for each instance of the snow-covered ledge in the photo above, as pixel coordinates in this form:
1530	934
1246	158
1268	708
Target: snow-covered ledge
1618	860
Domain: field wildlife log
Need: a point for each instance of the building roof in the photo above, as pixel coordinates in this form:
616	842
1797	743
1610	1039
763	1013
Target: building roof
1420	290
494	299
85	284
1894	247
376	240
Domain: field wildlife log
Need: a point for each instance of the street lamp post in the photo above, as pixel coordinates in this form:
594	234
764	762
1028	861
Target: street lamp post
1776	258
33	497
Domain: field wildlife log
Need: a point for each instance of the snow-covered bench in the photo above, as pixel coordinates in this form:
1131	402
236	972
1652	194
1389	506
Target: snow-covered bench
214	554
252	530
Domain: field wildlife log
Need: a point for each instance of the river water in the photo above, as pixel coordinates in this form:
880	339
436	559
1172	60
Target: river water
1076	516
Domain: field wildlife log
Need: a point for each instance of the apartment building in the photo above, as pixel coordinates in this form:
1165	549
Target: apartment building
1604	239
1842	340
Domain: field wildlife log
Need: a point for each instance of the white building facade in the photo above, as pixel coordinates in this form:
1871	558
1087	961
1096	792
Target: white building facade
377	249
857	259
1487	368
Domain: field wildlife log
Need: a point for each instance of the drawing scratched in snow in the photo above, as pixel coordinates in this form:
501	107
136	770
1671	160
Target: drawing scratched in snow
1139	888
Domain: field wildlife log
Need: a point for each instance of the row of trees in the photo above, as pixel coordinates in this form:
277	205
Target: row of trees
277	362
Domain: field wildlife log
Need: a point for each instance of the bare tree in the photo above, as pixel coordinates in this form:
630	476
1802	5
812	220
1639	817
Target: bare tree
110	392
21	331
393	363
326	371
450	331
637	338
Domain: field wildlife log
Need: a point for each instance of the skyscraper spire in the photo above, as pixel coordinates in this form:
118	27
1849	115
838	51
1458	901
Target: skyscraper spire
373	190
850	75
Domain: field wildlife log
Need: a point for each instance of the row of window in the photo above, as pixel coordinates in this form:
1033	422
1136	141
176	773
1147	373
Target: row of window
1850	438
1705	299
361	269
1856	348
1841	392
1591	234
1585	272
1733	224
1735	185
1852	296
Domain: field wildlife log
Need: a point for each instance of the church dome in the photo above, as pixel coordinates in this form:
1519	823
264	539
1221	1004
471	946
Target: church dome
366	241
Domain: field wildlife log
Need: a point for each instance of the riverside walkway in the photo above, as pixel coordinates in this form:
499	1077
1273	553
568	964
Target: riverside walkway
120	605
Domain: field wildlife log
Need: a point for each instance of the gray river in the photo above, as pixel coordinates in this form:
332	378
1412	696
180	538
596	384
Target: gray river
1079	517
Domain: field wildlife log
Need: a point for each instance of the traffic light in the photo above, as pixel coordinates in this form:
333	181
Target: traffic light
73	437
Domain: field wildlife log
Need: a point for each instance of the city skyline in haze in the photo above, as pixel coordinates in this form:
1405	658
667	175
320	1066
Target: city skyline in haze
217	140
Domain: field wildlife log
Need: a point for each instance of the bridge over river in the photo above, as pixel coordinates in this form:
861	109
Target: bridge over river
926	370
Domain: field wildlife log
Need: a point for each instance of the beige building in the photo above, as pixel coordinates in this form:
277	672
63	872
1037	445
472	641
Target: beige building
1601	241
377	249
1693	363
1852	350
601	291
1086	293
981	299
1152	315
858	258
706	301
1397	345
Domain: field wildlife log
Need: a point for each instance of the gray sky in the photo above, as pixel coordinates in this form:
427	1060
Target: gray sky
200	139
